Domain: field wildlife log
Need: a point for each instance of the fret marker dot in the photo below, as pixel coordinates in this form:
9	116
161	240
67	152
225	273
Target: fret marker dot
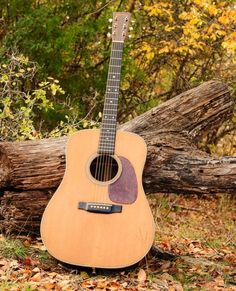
115	90
111	101
114	77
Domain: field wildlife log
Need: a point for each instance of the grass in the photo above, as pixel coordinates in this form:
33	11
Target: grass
13	249
7	286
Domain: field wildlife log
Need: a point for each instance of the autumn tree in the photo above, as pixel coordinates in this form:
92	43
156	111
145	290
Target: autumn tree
175	46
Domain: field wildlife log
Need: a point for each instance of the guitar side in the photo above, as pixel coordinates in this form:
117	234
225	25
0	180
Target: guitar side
101	240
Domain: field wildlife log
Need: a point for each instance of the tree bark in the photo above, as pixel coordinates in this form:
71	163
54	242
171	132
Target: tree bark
30	171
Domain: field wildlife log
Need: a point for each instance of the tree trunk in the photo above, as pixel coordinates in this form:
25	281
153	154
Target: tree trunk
30	171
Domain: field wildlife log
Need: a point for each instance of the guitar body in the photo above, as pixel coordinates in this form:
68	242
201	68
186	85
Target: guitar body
99	239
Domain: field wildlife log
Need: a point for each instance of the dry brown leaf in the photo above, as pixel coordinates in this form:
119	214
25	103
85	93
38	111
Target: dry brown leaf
142	276
36	278
49	286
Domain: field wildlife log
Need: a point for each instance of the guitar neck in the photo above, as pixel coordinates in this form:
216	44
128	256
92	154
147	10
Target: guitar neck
109	120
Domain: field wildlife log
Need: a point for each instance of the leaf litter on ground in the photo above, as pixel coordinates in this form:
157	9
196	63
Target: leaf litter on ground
200	230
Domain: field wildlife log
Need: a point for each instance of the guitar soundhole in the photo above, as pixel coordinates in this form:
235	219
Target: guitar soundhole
104	168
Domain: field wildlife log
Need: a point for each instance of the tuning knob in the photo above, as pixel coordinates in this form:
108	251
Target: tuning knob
110	20
108	34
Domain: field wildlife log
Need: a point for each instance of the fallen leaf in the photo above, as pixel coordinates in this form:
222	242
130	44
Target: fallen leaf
142	276
36	278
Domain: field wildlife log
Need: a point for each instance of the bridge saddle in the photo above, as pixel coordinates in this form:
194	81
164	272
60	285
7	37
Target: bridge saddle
100	207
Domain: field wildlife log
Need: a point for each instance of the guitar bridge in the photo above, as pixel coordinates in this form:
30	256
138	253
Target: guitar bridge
100	207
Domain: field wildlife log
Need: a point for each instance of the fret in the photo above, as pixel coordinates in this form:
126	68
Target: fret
111	102
110	98
109	110
115	61
113	80
113	75
111	106
110	118
108	129
111	152
107	140
107	114
116	55
108	125
106	147
110	133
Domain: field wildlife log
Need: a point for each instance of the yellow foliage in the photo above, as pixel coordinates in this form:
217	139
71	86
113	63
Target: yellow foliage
230	43
223	19
169	28
148	50
164	50
212	10
159	9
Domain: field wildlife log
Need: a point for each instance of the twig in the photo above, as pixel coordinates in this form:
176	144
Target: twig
187	208
101	8
162	255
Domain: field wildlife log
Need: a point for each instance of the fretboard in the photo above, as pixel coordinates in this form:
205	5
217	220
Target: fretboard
109	119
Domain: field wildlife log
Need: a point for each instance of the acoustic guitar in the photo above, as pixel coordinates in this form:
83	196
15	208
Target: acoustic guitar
99	216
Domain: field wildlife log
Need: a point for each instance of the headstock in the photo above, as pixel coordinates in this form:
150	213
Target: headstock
120	25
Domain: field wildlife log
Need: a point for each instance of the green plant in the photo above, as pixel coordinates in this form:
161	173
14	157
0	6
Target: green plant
20	103
13	248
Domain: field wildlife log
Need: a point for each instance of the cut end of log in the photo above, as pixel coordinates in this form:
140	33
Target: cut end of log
5	169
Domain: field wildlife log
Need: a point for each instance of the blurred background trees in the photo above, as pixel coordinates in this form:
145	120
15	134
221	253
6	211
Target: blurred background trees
54	59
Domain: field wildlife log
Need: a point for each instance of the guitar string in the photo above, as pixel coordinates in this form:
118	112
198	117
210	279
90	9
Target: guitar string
106	108
109	113
104	161
117	54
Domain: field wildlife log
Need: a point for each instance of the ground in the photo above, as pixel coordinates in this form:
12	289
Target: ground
195	241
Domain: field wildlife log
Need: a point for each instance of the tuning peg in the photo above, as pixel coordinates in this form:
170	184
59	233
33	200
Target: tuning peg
110	20
109	27
132	21
130	36
108	34
131	28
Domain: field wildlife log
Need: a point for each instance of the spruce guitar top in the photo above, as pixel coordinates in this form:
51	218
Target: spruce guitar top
99	215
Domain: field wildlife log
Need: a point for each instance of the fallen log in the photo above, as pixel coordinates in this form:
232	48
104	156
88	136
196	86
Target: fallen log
30	171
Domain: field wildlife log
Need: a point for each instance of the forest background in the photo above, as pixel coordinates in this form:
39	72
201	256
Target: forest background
54	59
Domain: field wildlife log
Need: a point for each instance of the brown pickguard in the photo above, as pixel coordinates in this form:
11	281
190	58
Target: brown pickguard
124	190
